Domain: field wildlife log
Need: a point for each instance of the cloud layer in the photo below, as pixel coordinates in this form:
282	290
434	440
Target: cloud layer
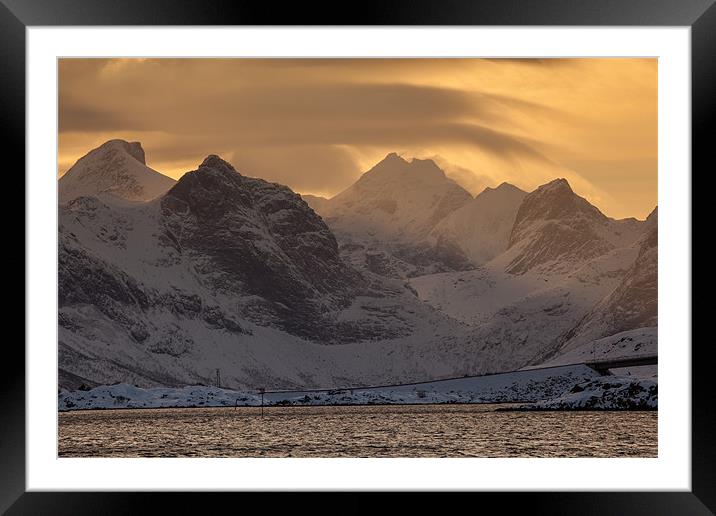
316	124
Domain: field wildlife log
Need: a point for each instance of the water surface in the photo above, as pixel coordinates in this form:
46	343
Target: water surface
356	431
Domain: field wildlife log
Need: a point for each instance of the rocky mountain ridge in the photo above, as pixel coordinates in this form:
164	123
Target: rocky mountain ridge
224	271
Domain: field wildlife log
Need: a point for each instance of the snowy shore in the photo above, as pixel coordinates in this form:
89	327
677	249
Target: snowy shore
556	388
608	393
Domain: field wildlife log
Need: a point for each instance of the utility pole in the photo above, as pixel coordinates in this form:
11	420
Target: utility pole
218	378
262	391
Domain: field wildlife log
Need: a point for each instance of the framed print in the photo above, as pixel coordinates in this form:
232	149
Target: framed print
413	249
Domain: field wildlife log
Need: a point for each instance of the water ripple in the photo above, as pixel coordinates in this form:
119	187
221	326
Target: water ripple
351	431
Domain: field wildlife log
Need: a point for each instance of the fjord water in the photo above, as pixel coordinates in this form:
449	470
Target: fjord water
357	431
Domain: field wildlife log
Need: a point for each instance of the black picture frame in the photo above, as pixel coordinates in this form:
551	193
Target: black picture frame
17	15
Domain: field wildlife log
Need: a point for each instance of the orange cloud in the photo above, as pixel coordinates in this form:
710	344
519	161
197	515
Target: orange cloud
316	124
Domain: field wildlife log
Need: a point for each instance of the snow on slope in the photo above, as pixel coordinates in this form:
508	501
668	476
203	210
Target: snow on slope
116	167
521	318
639	341
631	304
481	228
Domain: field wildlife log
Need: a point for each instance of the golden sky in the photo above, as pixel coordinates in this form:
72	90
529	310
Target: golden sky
317	124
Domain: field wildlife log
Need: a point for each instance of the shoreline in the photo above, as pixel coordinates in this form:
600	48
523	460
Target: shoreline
265	407
294	405
567	388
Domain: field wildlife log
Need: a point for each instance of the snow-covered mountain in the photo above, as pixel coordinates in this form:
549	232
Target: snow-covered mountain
556	231
565	260
239	274
116	167
481	228
223	271
383	221
396	200
260	239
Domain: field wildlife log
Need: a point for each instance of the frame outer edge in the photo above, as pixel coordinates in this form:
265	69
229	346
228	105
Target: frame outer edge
703	113
12	379
375	12
12	109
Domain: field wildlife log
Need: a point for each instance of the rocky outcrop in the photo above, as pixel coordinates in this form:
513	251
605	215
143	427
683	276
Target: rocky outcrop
256	238
556	231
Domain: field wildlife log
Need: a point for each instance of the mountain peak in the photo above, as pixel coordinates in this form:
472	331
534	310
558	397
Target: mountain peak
559	184
391	161
134	149
426	167
395	168
215	162
396	200
555	200
481	228
557	228
392	156
212	183
116	167
504	187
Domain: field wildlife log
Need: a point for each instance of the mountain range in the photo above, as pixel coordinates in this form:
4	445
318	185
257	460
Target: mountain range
403	276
